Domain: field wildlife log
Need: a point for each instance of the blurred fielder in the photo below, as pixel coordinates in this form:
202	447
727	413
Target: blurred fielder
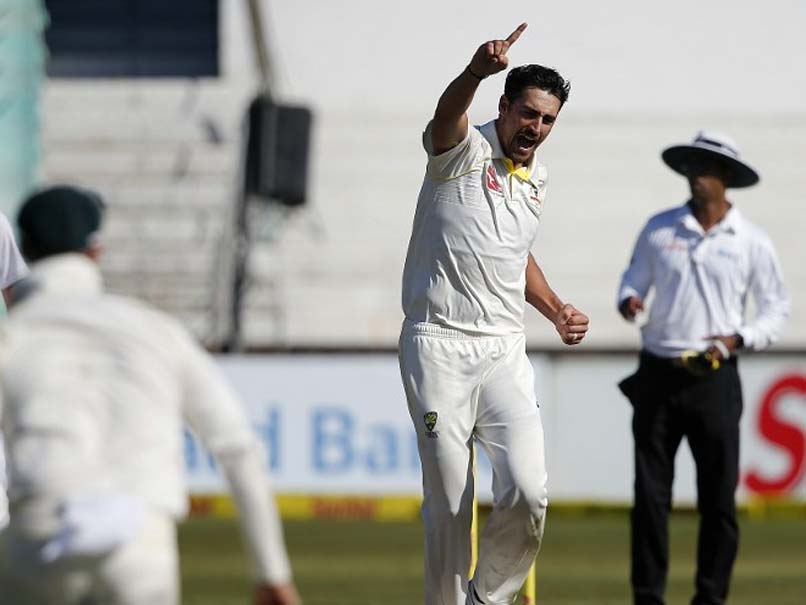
95	391
702	259
462	347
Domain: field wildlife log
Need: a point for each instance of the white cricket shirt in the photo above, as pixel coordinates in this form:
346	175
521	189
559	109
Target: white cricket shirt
701	281
96	389
12	269
12	265
473	228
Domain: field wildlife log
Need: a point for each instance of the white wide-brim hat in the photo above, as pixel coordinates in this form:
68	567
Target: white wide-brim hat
714	145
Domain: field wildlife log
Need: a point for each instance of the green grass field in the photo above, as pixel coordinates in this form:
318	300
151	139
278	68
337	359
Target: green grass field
584	561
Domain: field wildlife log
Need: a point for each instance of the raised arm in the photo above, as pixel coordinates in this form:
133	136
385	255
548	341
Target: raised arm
571	323
449	127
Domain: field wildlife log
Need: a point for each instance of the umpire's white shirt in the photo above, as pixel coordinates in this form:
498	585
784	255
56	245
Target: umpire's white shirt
701	281
96	389
474	225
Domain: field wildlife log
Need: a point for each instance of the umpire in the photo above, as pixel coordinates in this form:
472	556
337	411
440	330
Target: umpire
701	259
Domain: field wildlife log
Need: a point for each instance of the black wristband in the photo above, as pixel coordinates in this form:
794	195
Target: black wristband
470	71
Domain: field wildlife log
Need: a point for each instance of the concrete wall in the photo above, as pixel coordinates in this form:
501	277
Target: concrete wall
166	153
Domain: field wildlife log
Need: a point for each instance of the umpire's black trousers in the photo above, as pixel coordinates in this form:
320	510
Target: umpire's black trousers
670	403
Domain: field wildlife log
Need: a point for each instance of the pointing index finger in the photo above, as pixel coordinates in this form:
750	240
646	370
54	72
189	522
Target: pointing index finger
513	37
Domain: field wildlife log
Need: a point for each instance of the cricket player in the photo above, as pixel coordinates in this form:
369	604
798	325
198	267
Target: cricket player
12	265
462	348
95	390
12	270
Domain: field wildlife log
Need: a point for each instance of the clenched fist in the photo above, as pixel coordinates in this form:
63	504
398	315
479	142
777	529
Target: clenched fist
571	325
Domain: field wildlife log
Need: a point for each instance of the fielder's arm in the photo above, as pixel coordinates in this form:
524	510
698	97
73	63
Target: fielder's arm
449	127
215	414
571	324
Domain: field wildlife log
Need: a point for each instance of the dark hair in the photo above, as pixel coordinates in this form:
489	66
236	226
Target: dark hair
536	76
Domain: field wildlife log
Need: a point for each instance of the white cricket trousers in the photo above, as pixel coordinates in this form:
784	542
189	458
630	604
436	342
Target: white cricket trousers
143	571
459	387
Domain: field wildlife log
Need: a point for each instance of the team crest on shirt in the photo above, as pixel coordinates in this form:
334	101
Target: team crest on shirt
533	194
492	180
430	419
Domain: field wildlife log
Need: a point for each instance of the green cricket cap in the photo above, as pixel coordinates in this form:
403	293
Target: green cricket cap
60	219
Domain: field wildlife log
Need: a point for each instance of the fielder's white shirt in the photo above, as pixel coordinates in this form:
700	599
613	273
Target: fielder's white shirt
701	282
473	228
96	389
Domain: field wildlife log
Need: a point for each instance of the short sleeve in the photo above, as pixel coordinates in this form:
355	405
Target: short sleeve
458	160
12	266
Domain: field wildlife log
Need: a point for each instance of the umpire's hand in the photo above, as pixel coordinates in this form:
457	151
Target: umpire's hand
630	307
277	594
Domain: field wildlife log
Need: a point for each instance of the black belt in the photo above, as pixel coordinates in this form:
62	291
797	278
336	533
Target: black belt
696	363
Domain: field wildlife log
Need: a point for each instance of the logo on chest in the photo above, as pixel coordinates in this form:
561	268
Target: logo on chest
728	255
535	195
676	246
492	180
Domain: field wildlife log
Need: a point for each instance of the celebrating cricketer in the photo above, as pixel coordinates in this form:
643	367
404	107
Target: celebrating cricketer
462	353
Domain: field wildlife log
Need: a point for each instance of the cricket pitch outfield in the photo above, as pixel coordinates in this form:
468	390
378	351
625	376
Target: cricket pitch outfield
584	561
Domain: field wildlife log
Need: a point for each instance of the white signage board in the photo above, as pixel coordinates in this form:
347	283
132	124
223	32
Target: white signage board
338	424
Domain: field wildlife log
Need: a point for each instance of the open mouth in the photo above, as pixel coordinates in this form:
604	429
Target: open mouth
525	143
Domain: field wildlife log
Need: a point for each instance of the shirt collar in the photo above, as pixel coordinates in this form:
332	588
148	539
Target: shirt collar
524	173
63	274
730	223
